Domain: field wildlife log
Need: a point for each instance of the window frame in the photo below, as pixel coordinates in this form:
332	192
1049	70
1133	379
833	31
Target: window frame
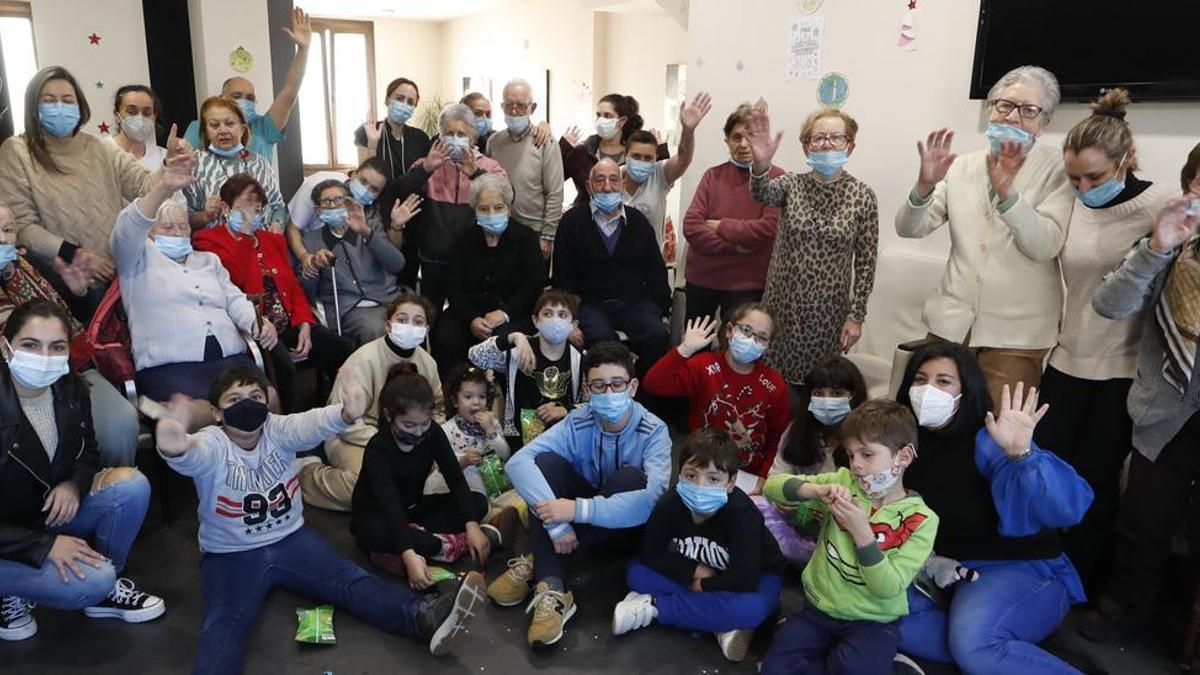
328	29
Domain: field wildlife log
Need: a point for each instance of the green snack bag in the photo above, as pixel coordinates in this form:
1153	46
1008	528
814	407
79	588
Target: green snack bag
495	481
531	426
441	574
316	625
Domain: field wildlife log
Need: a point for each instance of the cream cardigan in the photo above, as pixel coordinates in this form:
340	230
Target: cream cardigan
1002	284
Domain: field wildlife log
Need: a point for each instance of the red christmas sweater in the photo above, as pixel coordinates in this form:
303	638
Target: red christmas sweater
753	408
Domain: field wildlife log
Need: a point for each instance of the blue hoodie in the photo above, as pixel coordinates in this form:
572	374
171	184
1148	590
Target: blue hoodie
644	443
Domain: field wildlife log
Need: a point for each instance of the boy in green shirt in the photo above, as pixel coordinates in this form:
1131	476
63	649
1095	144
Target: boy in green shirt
876	536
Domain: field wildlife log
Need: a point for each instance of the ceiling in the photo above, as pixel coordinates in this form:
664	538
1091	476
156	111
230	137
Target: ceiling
422	10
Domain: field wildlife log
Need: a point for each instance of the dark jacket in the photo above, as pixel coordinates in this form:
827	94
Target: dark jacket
508	277
399	154
26	473
578	161
634	271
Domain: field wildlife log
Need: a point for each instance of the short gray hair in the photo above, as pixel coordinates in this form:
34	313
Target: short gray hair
171	211
518	82
458	111
490	181
1035	75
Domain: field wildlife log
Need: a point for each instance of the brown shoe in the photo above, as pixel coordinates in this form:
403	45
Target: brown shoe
551	610
512	587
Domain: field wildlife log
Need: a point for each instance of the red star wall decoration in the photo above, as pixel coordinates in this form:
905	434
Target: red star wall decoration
94	39
104	127
912	4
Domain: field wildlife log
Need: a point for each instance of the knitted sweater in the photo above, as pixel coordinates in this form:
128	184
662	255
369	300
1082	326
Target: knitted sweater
736	256
537	178
1089	345
78	207
633	271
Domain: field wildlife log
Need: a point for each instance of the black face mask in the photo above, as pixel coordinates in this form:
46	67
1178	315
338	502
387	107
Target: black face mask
245	415
407	437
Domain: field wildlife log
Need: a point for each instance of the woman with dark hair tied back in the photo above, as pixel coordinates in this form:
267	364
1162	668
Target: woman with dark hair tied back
1002	501
394	141
136	109
617	118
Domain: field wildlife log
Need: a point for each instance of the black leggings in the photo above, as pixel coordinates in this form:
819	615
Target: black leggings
329	351
435	513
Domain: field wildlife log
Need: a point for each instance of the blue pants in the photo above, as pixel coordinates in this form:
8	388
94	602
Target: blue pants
993	624
234	586
812	642
109	519
717	612
641	320
566	483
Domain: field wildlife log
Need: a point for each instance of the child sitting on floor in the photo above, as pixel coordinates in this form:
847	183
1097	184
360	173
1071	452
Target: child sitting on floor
876	536
252	528
393	521
707	561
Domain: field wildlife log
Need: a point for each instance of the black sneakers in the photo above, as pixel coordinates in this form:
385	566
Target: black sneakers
502	529
16	619
128	604
445	618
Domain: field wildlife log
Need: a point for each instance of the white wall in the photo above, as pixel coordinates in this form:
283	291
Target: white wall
218	27
637	51
896	96
60	35
411	49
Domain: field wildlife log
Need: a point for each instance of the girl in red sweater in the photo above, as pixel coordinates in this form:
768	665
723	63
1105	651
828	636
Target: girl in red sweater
731	389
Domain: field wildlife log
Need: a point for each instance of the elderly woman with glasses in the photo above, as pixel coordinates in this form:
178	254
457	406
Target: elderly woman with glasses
823	264
1007	207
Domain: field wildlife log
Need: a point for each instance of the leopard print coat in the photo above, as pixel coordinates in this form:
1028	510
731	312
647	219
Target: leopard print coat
823	266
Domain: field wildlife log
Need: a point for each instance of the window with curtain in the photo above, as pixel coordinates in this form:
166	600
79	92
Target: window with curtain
336	95
20	59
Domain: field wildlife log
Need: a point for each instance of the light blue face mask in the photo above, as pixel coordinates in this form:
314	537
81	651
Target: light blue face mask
398	113
829	410
606	202
516	124
249	109
556	330
236	221
611	406
457	145
227	153
745	349
173	247
483	126
1103	193
1000	133
58	119
493	223
828	163
701	499
741	165
638	170
8	253
334	217
360	193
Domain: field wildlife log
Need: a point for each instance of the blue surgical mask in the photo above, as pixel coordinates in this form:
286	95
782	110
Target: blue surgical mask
741	165
398	113
360	193
457	145
37	370
611	406
8	253
556	330
827	163
606	202
334	217
829	410
58	119
236	221
745	349
483	127
249	109
227	153
638	170
173	247
701	499
998	133
1105	192
493	223
518	124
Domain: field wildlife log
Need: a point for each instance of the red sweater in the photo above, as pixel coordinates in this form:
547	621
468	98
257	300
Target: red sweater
246	264
736	256
752	408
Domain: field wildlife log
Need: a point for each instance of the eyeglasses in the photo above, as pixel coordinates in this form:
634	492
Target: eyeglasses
1025	110
515	108
600	386
603	181
828	140
747	331
332	202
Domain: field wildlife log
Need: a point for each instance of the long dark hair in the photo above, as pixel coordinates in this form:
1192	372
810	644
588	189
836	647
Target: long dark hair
404	388
975	402
44	309
35	136
627	107
805	444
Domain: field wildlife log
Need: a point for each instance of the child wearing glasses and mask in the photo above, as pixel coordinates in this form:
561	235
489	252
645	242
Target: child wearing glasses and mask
731	389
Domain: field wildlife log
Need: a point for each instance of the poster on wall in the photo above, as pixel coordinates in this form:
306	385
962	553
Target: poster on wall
804	48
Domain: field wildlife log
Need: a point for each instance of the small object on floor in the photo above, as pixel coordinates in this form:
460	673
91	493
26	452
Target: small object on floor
446	617
735	643
441	574
315	625
502	528
902	665
16	619
551	610
511	588
636	611
127	603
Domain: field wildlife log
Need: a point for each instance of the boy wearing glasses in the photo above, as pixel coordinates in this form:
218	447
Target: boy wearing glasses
589	479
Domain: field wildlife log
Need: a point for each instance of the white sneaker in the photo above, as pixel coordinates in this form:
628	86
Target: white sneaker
128	604
734	643
636	611
16	619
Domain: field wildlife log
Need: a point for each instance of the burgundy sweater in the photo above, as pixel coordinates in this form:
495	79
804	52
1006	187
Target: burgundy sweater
736	256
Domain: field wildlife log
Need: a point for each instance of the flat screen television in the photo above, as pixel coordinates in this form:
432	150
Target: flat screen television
1150	47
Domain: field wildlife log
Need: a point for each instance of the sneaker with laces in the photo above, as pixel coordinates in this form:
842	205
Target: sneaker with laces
636	611
128	604
734	643
16	619
551	610
511	588
502	528
445	618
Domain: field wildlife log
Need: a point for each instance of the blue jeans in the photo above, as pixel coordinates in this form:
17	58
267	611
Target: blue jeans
566	483
993	624
811	642
716	612
234	586
109	520
641	320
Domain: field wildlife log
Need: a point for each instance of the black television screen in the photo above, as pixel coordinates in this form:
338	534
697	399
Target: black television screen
1150	47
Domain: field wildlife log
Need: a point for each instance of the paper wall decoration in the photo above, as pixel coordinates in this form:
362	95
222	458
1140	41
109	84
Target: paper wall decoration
808	6
104	127
804	48
93	39
908	34
833	90
241	60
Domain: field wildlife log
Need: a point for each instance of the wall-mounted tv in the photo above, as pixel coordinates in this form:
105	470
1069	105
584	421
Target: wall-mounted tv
1150	47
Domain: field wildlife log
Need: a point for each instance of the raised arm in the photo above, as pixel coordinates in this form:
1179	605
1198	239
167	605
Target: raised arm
690	116
925	208
1128	289
300	33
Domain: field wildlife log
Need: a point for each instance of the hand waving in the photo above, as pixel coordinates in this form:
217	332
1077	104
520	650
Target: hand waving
1013	431
1174	225
761	142
171	431
301	30
438	154
936	159
1003	168
698	335
353	395
691	114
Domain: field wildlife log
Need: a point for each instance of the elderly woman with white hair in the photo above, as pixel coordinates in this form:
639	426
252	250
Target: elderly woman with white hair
496	275
186	318
1007	206
443	179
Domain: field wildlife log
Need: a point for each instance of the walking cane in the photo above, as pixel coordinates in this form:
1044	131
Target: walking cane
337	308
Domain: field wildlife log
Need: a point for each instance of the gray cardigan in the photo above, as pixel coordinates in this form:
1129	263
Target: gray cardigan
366	268
1157	409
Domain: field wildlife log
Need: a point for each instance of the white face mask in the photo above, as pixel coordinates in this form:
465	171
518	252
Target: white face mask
139	128
406	335
933	407
606	127
37	370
